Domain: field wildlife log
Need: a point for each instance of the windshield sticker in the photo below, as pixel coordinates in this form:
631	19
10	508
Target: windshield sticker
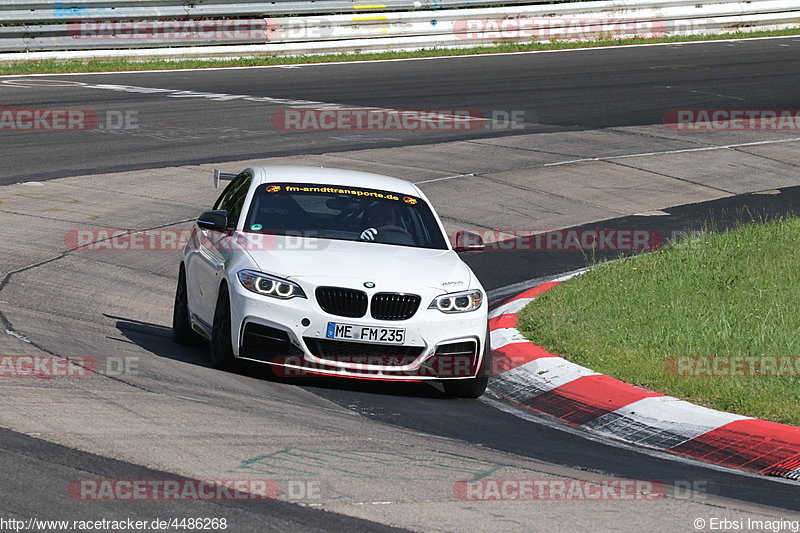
295	188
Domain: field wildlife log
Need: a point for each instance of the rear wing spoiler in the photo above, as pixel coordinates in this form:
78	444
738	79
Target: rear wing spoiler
222	176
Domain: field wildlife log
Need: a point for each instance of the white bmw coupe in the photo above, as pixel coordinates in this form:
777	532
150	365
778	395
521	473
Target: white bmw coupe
318	271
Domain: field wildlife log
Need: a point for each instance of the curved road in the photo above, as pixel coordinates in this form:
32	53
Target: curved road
402	446
571	90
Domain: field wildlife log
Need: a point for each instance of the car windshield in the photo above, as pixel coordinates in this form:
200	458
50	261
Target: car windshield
344	213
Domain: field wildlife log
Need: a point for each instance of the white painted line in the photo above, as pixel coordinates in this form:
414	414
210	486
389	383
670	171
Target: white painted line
641	154
510	308
535	418
27	84
719	95
668	152
505	336
225	97
435	58
217	97
470	175
516	288
661	422
569	275
537	377
554	372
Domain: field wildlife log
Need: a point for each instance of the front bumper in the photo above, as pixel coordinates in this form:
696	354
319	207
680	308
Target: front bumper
290	335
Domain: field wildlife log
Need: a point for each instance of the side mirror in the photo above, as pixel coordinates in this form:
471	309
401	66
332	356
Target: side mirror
466	241
213	220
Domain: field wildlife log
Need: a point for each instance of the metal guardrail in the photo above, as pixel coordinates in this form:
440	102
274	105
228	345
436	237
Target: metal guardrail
259	32
34	11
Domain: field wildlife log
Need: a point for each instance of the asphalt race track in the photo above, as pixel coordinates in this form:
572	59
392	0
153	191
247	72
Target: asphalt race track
556	91
591	151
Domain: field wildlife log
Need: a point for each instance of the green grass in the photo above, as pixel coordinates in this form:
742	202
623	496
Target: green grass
734	293
103	65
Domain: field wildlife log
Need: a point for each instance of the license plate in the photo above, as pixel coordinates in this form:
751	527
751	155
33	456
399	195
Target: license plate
354	332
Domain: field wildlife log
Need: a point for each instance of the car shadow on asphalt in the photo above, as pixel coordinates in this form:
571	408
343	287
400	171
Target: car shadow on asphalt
157	340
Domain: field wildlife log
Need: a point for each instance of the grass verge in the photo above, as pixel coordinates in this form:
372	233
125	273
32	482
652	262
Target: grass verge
109	65
720	294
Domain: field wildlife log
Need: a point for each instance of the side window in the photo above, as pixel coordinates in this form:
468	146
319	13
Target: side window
232	198
237	202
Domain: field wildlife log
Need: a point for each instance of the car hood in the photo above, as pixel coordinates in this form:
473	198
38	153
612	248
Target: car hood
352	263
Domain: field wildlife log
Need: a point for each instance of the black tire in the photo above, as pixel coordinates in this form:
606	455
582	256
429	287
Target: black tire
473	387
182	332
466	388
221	350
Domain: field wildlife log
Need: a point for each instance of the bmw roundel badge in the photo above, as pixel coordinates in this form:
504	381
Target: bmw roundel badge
369	285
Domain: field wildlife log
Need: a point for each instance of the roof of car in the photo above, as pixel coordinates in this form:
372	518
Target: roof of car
333	176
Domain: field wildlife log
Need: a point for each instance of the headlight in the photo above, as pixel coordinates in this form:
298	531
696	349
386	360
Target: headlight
458	302
267	285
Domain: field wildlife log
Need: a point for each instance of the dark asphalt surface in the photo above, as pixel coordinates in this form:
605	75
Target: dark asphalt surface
35	475
555	91
498	269
422	408
425	409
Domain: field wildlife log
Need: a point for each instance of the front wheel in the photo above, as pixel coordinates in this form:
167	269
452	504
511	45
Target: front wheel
466	388
221	350
182	332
